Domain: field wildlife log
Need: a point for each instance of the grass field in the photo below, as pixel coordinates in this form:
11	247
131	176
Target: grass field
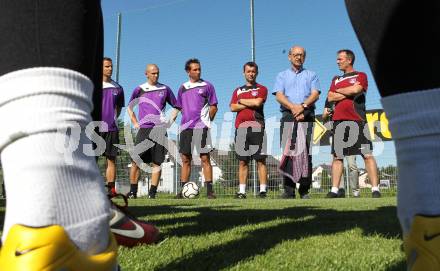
268	234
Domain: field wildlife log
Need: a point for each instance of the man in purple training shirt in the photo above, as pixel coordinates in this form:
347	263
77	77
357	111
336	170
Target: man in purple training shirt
151	97
112	103
198	102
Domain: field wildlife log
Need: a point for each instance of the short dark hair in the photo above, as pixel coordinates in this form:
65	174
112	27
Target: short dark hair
349	54
191	61
250	64
107	59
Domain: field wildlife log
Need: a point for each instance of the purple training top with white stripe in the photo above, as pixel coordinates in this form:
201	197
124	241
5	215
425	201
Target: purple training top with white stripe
112	97
194	100
152	102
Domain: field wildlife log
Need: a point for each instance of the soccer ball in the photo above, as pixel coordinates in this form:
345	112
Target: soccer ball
190	190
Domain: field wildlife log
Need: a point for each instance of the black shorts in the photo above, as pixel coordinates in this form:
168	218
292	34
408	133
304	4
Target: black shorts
198	138
110	138
250	144
351	138
156	142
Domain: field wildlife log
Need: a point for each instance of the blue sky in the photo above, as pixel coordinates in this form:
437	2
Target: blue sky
168	32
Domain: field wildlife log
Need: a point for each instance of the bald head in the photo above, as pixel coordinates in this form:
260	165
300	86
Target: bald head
152	73
297	56
297	48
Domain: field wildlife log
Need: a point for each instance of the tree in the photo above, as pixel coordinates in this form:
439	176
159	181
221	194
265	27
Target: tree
229	164
389	173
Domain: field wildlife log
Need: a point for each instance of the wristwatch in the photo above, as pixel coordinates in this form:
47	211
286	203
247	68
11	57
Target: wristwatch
305	106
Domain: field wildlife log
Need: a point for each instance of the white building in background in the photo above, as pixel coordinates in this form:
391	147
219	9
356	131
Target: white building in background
363	177
167	182
317	175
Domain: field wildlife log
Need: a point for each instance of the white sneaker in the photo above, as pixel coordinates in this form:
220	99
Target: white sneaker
356	193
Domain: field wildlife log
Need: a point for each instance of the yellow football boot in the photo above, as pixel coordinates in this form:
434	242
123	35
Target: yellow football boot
422	244
50	249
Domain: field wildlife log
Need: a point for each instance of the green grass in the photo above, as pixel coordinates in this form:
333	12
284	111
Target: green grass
255	234
268	234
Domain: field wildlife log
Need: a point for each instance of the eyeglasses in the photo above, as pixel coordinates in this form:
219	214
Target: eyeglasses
297	55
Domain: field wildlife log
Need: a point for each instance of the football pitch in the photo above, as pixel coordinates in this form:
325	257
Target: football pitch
268	234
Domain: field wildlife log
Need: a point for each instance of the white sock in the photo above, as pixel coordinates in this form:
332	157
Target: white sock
414	123
263	187
43	187
242	188
375	188
334	189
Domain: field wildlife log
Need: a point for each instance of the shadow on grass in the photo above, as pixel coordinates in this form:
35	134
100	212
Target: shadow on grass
399	266
257	242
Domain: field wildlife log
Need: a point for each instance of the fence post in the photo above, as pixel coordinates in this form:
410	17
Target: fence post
118	46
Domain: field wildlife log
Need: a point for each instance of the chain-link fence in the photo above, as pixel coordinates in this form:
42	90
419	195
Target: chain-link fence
225	174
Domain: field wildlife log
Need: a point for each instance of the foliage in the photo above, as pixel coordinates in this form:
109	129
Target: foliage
229	164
